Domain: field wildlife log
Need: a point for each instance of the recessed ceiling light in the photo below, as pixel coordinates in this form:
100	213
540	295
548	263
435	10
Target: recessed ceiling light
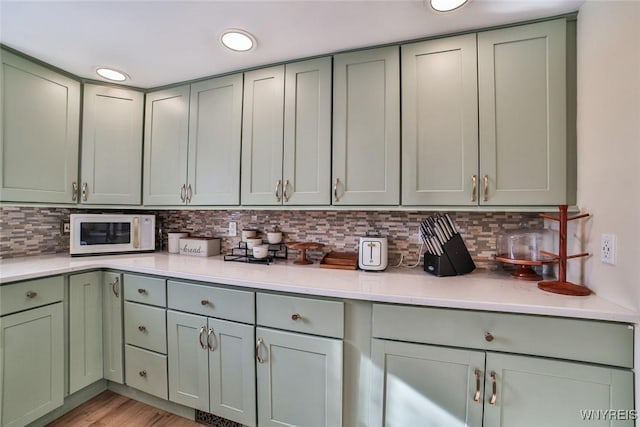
111	74
446	5
238	40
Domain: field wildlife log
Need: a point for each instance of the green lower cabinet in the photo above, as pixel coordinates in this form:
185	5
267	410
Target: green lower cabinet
85	330
534	392
31	364
424	385
299	379
211	366
112	336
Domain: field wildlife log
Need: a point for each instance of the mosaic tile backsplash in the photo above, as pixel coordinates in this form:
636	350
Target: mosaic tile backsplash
26	231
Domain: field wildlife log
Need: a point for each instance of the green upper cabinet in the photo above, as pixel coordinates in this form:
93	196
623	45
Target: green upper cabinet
306	169
522	87
440	122
165	146
262	136
366	127
286	145
215	119
39	129
192	144
111	162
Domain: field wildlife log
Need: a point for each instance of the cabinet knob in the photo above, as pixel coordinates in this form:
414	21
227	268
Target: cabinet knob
142	328
204	302
142	291
488	337
296	316
31	294
142	373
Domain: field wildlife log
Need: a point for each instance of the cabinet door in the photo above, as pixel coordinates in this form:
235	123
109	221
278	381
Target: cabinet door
307	133
215	127
31	364
262	132
85	329
541	392
440	122
165	146
416	384
39	119
111	167
366	127
299	379
232	371
188	360
522	106
112	339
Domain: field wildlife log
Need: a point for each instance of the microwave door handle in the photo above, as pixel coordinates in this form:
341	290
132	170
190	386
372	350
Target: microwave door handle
136	232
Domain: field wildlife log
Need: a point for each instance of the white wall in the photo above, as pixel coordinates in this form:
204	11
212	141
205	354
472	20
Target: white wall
609	144
609	149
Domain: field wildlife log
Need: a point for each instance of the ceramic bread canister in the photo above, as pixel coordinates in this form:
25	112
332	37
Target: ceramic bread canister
174	241
200	246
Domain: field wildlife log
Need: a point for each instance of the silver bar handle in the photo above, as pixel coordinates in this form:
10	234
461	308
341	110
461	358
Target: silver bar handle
74	191
183	191
474	189
278	183
85	191
494	394
284	191
210	332
486	188
189	193
200	337
115	287
260	344
476	395
335	190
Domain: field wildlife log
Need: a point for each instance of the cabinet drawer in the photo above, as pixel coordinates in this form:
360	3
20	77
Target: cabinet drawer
30	294
145	326
147	290
310	316
210	301
593	341
146	371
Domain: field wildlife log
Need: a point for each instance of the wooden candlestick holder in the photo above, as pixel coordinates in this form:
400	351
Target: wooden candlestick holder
561	286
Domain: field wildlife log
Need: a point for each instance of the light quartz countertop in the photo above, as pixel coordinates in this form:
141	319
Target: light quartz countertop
491	291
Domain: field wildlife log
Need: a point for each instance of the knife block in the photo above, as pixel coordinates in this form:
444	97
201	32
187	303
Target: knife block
454	261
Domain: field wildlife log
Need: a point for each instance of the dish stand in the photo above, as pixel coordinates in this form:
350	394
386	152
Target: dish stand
243	254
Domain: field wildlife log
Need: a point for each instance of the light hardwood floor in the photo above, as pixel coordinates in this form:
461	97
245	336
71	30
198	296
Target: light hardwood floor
109	409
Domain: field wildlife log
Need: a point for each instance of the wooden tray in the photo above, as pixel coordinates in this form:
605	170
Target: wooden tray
340	260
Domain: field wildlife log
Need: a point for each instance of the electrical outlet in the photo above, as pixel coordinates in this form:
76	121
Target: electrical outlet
65	227
233	229
608	249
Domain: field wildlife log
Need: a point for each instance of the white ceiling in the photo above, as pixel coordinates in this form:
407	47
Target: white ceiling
159	42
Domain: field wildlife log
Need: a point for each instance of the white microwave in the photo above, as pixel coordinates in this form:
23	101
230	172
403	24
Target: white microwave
92	234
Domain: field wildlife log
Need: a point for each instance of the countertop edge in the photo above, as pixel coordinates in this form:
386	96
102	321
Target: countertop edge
67	265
